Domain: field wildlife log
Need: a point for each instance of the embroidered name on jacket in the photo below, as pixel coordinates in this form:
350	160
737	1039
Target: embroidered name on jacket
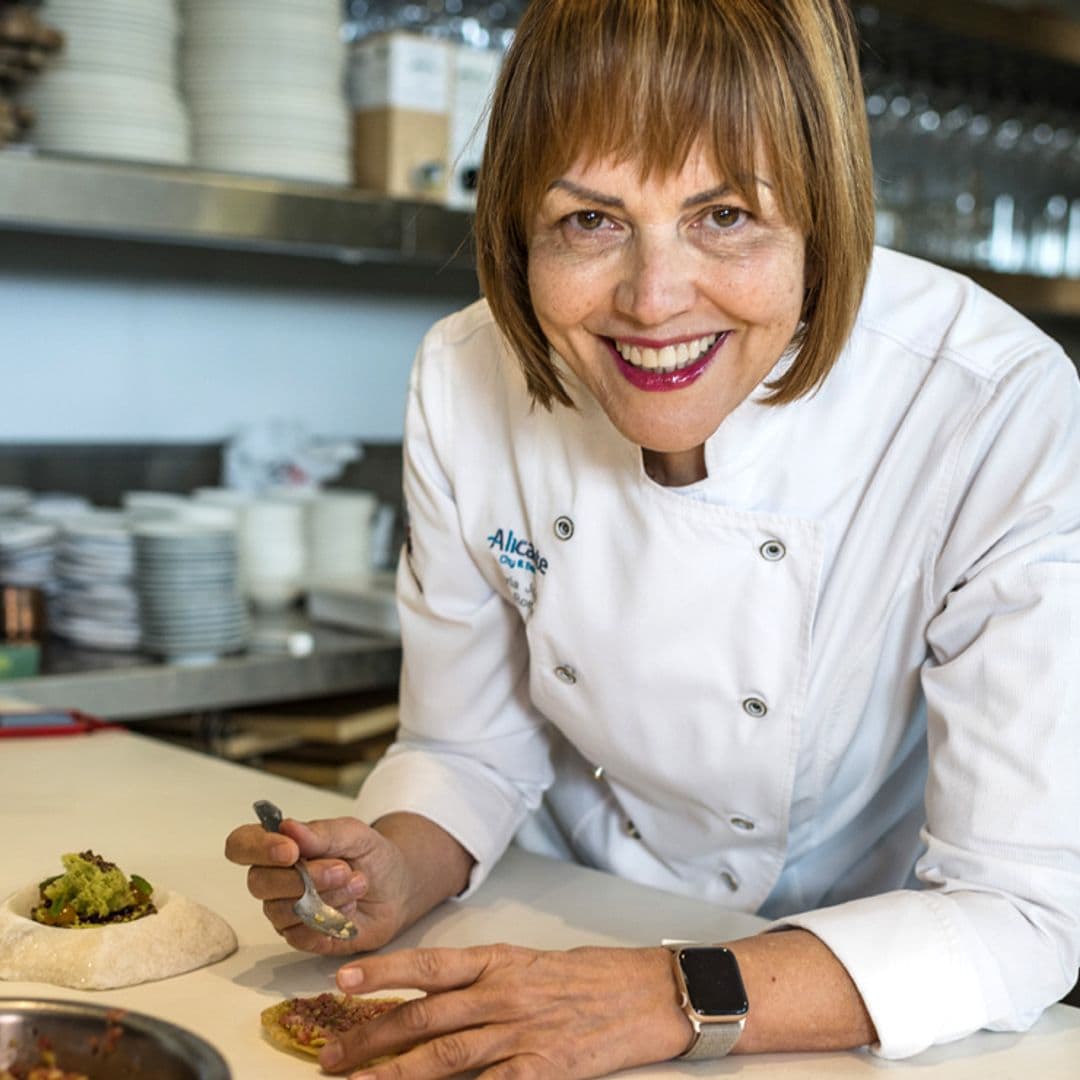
517	552
521	563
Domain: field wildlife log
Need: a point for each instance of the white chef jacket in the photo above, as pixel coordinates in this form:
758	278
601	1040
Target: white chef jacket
837	677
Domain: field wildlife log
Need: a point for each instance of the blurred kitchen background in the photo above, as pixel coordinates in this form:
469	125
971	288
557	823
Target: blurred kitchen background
225	226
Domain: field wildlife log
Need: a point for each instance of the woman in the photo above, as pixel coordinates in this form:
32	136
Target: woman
737	567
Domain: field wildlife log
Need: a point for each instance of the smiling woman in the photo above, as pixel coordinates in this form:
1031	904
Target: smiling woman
743	562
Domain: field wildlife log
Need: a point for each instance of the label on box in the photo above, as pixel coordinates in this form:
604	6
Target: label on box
475	74
403	71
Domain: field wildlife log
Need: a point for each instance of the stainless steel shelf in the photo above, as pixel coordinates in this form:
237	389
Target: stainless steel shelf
162	204
1042	32
135	687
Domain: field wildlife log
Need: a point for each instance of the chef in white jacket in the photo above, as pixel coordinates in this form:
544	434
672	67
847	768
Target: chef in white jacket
743	562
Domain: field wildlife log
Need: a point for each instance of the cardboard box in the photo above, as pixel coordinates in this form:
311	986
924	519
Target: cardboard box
474	74
399	90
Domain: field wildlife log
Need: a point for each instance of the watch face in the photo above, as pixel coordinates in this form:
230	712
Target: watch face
713	982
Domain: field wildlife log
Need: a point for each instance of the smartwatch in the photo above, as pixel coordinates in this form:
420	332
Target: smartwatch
713	997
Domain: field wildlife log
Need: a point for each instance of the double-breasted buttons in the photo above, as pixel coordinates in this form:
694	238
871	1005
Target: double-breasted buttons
566	674
745	824
563	527
772	550
730	880
598	772
632	830
755	707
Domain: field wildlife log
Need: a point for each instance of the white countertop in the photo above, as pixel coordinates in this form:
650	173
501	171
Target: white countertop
164	813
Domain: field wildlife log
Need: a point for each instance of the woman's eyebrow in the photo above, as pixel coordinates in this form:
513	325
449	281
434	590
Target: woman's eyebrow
722	191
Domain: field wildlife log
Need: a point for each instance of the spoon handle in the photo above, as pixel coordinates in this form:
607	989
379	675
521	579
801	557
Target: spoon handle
269	815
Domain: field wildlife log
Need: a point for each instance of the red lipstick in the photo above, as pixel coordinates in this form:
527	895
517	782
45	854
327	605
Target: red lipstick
656	381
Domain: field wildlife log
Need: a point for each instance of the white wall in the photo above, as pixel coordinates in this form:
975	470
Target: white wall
110	342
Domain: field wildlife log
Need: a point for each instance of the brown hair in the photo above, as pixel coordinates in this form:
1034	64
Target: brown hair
644	80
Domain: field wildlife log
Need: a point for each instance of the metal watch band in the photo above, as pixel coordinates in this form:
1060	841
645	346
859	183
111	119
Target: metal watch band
713	1040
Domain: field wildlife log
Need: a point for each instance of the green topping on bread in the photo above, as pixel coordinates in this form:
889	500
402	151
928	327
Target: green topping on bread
92	892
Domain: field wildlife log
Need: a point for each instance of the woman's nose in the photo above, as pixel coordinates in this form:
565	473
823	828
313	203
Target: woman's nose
656	280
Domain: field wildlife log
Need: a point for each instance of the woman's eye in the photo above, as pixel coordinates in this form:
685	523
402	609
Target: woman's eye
726	217
587	220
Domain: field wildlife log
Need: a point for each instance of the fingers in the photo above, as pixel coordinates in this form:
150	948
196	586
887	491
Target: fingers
339	838
432	970
449	1051
337	882
252	845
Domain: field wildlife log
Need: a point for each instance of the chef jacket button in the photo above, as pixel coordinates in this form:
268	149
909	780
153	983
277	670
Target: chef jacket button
755	707
565	673
772	550
730	880
742	823
564	528
632	830
598	772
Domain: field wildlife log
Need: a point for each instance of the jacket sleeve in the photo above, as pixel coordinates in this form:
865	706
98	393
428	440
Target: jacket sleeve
471	753
992	937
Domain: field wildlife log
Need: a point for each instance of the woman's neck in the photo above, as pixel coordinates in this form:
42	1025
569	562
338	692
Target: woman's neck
675	468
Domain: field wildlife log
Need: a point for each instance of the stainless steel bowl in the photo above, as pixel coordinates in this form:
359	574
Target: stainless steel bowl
103	1042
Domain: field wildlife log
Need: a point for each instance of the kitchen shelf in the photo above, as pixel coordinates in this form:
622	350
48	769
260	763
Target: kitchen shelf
133	686
163	204
167	205
1044	33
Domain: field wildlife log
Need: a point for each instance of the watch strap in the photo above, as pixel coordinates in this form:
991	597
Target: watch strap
713	1040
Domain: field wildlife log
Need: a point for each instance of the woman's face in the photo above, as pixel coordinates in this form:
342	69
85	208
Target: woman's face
668	299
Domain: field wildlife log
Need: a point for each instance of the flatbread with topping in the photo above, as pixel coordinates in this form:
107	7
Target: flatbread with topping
303	1024
180	936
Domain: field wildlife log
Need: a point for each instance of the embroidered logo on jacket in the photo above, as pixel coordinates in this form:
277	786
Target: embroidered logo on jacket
520	562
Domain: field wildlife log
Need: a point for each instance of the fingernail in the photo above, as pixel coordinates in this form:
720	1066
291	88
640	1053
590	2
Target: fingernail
350	979
357	887
332	1054
280	853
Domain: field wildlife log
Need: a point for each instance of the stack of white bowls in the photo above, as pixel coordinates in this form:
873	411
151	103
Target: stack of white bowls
339	536
265	88
113	90
273	551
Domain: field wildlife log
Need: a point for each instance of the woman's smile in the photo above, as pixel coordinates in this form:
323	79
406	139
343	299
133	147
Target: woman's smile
655	367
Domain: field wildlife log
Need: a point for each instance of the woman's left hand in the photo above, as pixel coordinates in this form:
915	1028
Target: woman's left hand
507	1011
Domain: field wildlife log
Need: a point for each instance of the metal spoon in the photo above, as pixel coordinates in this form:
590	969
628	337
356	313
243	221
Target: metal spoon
312	910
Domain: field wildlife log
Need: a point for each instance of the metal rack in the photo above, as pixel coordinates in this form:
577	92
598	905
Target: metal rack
168	205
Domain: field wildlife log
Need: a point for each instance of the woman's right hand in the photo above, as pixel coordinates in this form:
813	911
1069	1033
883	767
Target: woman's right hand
356	869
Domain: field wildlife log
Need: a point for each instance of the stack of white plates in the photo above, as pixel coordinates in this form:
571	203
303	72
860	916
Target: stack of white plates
274	546
55	506
113	91
148	505
189	595
265	89
96	604
339	531
27	553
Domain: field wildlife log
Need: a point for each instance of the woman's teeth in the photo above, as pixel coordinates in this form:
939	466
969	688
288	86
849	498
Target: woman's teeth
670	357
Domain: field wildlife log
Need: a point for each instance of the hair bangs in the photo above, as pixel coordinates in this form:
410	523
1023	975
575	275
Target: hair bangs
645	82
